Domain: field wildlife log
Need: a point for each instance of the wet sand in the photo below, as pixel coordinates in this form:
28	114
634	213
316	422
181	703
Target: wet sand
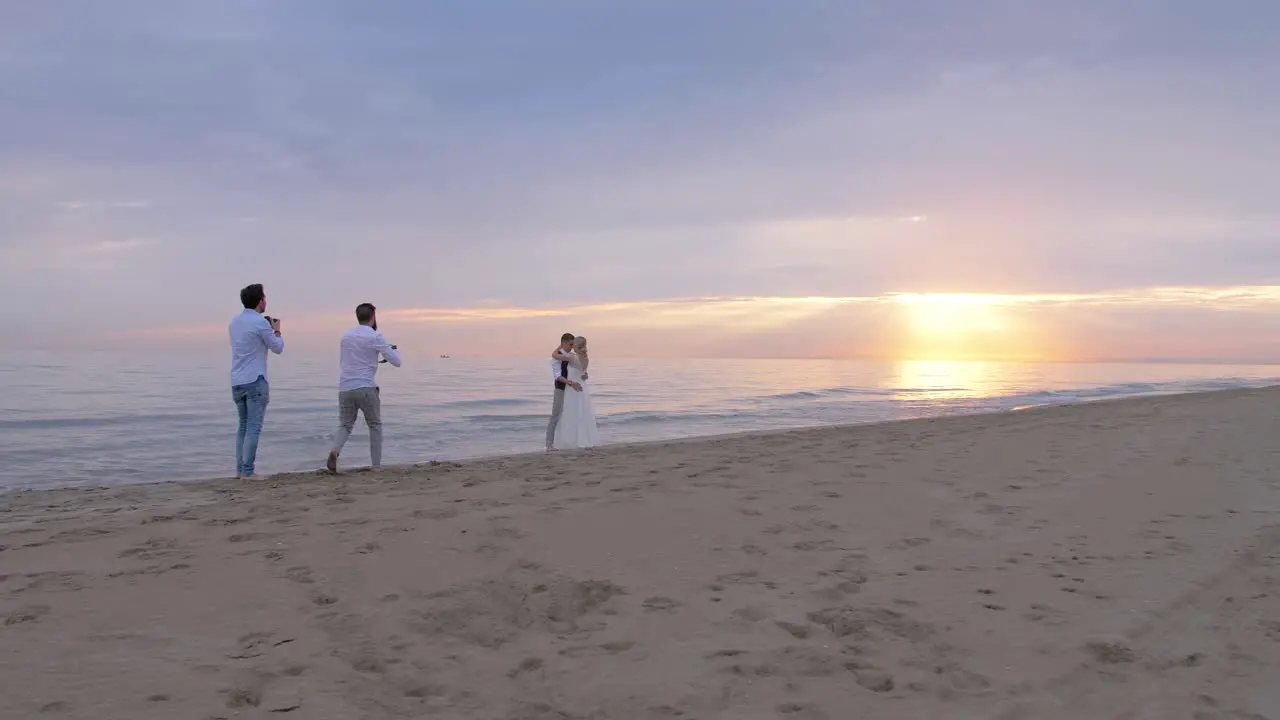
1110	560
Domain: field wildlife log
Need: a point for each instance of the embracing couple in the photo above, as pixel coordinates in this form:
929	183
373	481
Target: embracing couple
573	420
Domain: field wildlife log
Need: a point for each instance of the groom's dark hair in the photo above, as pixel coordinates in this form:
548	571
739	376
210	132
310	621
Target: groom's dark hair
567	337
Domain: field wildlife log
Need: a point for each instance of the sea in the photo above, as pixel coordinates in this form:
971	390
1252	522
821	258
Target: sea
112	419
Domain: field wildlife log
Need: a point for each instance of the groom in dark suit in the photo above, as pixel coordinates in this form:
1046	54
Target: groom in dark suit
560	369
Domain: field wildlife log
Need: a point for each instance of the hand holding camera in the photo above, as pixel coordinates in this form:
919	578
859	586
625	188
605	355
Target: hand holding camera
274	322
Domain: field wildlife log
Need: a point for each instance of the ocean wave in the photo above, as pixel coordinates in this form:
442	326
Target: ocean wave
642	417
924	391
488	402
181	428
847	391
1115	391
71	423
505	419
300	409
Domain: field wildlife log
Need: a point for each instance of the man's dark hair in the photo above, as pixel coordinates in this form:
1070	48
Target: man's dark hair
251	296
567	337
364	312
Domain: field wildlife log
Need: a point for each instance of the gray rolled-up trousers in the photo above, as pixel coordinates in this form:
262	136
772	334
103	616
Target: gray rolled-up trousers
365	400
557	407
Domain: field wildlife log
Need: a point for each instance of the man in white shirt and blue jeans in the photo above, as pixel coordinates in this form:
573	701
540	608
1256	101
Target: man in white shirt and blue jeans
361	349
252	335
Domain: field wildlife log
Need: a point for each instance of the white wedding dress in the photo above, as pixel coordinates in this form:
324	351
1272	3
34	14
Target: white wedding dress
577	428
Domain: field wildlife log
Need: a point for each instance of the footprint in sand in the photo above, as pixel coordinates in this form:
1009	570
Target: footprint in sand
1110	652
863	622
1044	613
609	648
27	614
426	691
796	630
815	546
874	679
659	604
801	711
152	549
251	537
299	574
750	614
435	514
243	697
369	665
256	644
526	667
750	577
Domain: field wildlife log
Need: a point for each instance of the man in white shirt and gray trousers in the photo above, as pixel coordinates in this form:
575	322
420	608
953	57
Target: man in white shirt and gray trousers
362	348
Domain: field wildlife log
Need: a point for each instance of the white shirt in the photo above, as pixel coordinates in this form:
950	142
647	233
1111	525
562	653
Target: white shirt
555	369
251	337
358	357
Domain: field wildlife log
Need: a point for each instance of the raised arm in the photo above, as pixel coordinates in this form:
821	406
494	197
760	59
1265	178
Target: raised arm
388	350
271	337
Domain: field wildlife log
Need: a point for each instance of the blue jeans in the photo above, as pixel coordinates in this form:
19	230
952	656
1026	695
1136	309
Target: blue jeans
251	403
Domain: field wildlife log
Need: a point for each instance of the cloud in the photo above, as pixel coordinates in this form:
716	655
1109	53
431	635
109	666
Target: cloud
103	204
437	155
113	246
1138	324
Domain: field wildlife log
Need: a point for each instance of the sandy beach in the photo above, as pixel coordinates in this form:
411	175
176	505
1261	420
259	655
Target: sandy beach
1110	560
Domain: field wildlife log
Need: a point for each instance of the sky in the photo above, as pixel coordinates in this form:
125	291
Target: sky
923	179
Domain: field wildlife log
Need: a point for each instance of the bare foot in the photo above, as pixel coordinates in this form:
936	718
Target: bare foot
375	469
248	477
331	462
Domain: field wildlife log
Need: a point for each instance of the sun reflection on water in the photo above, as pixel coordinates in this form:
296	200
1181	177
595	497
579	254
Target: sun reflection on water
951	379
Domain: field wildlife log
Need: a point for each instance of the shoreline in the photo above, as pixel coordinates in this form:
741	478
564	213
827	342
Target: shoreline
365	471
1098	560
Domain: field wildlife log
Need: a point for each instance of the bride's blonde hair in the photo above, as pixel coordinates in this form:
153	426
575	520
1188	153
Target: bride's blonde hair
580	345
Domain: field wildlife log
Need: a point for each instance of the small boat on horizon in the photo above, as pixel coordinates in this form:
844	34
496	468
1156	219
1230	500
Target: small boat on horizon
446	357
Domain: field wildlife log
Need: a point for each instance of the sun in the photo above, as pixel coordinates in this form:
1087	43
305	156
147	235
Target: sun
943	314
943	326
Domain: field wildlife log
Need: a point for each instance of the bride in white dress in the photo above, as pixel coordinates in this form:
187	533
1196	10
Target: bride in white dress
577	428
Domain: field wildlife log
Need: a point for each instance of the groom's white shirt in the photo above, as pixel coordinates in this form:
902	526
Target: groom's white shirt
555	368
